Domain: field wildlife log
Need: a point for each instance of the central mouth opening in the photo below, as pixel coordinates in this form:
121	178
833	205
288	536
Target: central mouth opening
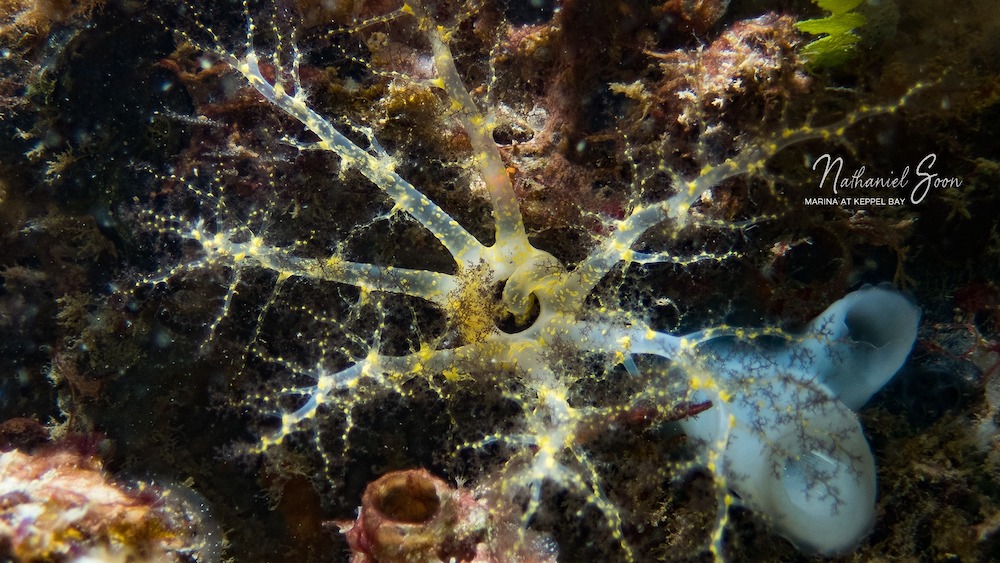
510	323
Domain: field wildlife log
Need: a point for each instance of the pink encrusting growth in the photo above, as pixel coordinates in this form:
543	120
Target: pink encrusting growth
521	322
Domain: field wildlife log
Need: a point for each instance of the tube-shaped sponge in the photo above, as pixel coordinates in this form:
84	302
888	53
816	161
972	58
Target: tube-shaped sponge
794	449
867	335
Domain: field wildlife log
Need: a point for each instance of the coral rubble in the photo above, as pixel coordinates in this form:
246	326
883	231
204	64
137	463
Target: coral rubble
59	505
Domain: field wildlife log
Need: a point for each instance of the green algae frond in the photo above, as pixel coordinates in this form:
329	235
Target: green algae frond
839	44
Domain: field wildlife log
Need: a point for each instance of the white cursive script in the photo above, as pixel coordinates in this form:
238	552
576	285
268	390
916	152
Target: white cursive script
859	179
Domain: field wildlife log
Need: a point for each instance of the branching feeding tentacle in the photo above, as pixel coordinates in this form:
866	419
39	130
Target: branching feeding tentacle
510	234
675	209
459	242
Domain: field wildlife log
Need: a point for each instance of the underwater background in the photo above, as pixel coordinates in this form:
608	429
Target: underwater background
141	376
